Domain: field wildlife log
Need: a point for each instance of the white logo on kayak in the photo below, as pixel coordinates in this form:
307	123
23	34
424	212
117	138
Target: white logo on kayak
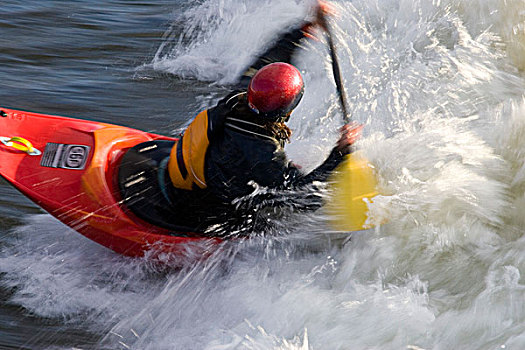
59	155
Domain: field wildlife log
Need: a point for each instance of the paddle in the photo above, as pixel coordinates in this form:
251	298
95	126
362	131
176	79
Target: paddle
353	182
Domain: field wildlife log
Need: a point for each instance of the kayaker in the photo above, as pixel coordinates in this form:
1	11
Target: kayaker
239	144
241	140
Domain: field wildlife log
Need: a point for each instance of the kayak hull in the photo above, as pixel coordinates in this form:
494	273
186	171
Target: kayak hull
72	174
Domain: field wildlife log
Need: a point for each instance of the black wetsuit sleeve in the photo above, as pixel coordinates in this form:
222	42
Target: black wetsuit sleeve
322	172
298	190
297	179
282	51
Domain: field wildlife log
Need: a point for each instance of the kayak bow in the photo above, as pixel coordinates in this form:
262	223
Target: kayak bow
69	167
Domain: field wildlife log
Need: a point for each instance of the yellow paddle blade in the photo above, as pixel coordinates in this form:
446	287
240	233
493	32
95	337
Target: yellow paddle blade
353	185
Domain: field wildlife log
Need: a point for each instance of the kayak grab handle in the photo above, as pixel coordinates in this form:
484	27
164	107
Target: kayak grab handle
20	144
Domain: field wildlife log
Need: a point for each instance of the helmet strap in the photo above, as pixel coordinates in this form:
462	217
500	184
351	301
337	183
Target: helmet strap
286	118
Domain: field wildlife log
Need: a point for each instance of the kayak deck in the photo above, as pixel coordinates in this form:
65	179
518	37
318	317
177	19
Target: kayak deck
74	178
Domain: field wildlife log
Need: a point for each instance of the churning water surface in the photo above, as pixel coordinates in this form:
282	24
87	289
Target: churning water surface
439	85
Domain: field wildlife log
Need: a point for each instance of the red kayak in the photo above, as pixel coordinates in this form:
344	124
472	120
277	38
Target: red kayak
69	167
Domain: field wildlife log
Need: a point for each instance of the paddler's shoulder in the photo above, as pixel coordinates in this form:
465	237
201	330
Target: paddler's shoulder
234	103
228	106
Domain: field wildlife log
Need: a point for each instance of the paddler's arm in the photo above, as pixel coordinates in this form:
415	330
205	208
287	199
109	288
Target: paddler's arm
281	51
349	134
303	195
287	43
279	173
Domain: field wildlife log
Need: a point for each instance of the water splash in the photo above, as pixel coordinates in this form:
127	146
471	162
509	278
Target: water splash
210	48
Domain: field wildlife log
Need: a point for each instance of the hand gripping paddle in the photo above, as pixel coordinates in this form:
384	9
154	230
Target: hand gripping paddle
353	182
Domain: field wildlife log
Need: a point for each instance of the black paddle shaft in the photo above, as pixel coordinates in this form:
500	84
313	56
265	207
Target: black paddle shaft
337	74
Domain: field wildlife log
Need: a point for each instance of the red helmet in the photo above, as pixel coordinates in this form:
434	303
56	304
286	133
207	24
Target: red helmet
275	90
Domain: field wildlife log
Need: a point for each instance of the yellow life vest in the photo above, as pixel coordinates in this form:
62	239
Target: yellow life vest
187	157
